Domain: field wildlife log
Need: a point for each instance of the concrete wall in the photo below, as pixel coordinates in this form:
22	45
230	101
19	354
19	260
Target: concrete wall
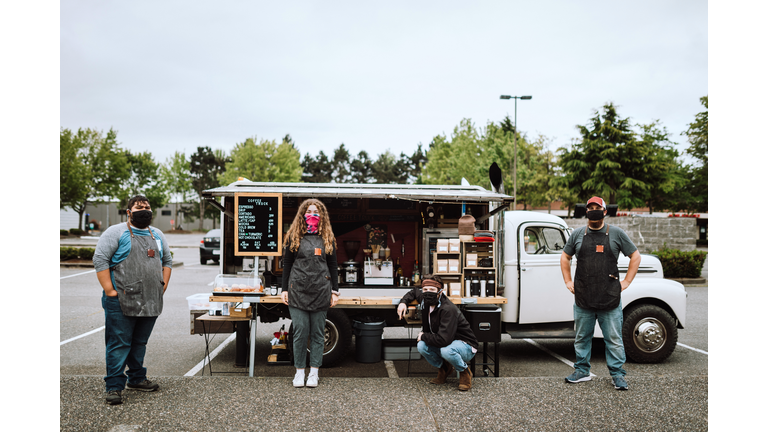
651	233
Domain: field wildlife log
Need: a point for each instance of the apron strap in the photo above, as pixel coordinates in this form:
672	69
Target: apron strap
149	228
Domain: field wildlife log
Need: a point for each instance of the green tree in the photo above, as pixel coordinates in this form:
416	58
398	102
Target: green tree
593	165
263	162
388	168
144	179
698	136
204	168
470	152
317	170
93	169
417	161
360	168
624	167
177	178
341	165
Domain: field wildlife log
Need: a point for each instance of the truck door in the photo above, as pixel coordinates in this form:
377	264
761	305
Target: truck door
543	296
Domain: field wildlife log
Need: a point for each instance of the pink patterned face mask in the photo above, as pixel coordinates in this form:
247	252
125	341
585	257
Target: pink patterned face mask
312	222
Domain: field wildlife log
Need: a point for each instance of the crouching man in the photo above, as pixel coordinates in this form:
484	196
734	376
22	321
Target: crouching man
446	339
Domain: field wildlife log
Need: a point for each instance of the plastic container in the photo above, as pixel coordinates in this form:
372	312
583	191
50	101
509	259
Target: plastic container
368	332
237	283
199	302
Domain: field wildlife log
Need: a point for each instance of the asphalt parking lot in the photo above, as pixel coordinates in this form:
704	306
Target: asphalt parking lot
530	393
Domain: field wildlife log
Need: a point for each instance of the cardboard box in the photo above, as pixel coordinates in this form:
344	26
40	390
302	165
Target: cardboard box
243	312
471	260
454	245
453	266
442	245
454	289
442	266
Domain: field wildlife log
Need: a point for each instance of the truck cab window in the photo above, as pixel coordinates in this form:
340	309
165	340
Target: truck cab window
543	240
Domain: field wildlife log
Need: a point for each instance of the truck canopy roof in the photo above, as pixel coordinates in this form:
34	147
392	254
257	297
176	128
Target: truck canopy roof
428	193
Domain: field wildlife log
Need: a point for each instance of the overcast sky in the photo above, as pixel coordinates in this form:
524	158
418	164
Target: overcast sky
174	75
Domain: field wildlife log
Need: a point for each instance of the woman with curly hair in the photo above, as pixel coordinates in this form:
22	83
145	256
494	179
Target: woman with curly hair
310	284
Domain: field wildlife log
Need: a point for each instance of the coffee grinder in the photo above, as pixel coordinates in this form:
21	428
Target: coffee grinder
351	274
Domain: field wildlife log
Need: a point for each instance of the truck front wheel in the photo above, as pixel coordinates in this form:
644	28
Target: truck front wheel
649	333
338	337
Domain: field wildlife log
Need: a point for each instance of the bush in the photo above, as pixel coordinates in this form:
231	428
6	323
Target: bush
66	253
679	264
64	232
76	231
86	253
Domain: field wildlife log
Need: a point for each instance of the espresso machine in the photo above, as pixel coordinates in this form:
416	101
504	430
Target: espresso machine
379	271
350	269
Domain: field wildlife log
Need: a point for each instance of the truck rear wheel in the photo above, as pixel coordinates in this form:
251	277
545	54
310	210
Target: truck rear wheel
649	333
338	337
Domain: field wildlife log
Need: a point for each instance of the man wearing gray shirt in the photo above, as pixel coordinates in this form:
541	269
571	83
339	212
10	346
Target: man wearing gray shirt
597	290
133	265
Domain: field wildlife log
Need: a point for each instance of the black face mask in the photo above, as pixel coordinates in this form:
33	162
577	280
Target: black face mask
141	218
595	215
430	298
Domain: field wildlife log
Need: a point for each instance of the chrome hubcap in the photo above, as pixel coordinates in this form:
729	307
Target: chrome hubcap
650	335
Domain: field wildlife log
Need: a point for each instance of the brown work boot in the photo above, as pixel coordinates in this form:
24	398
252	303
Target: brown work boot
465	380
442	373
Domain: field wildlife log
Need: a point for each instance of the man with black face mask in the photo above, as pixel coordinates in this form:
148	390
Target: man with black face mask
597	290
133	265
446	340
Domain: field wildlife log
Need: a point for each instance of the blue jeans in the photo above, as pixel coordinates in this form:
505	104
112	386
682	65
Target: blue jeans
610	323
457	353
126	341
308	325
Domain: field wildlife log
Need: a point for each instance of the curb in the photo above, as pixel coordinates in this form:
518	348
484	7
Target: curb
88	265
690	281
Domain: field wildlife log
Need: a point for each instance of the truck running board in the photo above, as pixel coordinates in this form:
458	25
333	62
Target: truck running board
541	331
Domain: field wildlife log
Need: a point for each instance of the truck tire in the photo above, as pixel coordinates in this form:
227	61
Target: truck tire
649	333
338	337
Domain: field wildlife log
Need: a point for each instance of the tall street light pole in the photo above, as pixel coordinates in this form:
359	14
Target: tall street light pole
514	137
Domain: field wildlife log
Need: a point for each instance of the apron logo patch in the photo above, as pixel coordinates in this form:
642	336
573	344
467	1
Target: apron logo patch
151	253
599	248
318	252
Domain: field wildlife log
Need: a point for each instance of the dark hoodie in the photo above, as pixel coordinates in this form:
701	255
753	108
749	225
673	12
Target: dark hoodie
448	323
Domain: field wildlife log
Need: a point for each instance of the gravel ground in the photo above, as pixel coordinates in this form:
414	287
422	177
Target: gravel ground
384	404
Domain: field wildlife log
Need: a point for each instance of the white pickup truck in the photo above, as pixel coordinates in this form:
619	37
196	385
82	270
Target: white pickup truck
526	261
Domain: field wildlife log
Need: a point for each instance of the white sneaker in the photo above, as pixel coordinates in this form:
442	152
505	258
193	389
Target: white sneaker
312	378
298	379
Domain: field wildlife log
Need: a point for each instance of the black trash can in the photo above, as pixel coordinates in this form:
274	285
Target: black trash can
368	332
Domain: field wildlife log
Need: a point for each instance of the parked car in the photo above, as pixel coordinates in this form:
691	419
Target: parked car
210	246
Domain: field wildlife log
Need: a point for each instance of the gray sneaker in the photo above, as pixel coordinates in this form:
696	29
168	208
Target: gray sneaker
114	397
577	377
146	385
619	383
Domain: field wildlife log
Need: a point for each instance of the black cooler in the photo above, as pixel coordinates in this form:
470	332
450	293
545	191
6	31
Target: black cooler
485	321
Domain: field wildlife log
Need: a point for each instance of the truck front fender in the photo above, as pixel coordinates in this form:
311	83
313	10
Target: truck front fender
668	294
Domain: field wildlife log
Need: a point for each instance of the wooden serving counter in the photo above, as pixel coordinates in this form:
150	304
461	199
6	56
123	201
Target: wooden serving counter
357	301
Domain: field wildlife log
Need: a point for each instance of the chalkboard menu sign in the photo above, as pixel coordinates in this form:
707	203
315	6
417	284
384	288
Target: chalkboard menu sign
259	219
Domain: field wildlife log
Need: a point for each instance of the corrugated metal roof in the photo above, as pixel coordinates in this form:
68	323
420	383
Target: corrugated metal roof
434	193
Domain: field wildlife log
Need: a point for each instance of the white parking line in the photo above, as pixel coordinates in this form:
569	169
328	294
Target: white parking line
692	348
214	353
82	335
548	351
78	274
391	371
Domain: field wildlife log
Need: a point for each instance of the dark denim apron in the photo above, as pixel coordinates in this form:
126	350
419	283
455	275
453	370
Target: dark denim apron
139	278
596	283
310	280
